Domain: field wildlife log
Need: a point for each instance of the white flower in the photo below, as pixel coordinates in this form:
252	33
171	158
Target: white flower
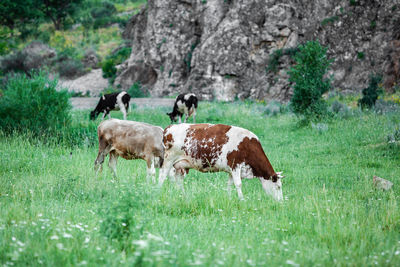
66	235
290	262
141	243
154	237
54	237
60	246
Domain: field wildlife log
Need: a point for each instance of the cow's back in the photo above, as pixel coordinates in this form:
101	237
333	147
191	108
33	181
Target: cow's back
132	139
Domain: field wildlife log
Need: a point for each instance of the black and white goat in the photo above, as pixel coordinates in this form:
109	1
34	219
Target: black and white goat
108	102
184	104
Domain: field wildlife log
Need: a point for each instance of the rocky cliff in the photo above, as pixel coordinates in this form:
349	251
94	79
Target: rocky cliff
224	49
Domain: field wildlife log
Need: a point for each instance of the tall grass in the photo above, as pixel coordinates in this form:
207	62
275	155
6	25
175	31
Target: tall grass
55	211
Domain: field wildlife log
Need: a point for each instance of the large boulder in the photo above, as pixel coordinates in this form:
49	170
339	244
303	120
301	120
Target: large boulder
222	49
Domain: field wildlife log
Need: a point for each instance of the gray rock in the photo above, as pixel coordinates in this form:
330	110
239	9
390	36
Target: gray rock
382	184
220	49
92	82
91	59
37	55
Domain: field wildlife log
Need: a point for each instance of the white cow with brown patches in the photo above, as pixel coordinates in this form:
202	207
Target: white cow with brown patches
130	140
214	148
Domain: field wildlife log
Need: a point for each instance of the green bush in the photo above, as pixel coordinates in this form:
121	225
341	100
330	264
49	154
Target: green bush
33	104
137	90
106	9
371	93
309	81
109	69
120	55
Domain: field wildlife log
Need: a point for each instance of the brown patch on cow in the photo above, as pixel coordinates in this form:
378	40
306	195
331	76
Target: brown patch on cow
205	142
168	141
251	153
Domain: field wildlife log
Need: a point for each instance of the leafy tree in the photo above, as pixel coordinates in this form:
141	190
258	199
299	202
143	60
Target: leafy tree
309	82
14	13
371	93
57	10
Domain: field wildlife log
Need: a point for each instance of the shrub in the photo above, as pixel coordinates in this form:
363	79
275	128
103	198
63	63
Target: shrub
394	137
138	91
383	107
371	93
120	55
106	9
33	104
273	108
14	63
309	82
341	110
109	69
70	68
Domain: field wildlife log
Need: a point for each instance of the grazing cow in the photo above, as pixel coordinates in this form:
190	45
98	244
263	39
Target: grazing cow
130	140
218	147
108	102
184	104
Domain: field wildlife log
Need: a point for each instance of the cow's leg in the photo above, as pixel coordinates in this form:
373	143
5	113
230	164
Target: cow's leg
186	116
151	171
112	163
237	180
103	151
194	115
230	182
180	119
104	115
123	110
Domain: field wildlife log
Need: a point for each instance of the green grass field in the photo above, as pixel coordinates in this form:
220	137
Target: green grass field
54	210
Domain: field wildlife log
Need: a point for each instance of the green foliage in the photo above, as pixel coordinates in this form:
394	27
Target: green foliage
120	55
109	69
33	104
5	41
360	55
309	81
274	58
329	20
137	91
17	13
353	3
57	11
106	9
119	222
371	93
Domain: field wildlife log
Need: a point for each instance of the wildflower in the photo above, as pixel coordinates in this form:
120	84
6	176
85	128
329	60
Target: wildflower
54	237
66	235
290	262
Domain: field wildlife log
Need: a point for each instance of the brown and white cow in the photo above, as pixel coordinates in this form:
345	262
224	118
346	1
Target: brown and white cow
214	148
130	140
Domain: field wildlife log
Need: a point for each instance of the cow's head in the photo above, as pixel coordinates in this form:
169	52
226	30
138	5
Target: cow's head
273	186
172	116
93	115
